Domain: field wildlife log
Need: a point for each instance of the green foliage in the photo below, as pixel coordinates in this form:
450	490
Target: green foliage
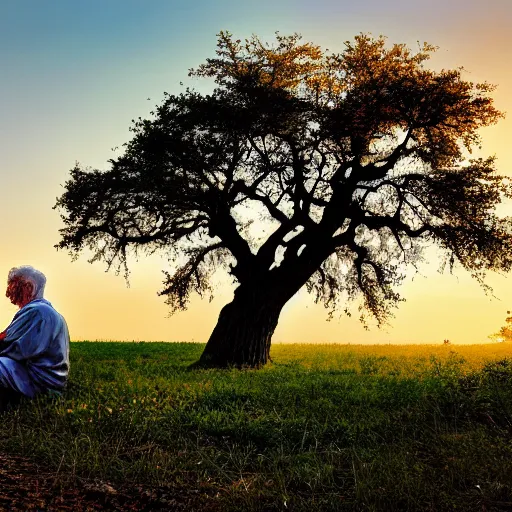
322	428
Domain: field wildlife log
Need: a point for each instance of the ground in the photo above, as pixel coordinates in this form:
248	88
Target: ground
25	486
352	428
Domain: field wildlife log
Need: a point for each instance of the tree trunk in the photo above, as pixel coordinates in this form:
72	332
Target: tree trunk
244	330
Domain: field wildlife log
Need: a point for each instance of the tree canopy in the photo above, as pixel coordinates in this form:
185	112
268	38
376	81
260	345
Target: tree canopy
331	171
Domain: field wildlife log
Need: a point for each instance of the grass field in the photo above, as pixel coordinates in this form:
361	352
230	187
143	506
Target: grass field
322	427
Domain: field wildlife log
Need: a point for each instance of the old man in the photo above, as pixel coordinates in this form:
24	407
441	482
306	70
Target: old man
34	349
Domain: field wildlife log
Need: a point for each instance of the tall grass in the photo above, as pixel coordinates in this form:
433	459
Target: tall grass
323	427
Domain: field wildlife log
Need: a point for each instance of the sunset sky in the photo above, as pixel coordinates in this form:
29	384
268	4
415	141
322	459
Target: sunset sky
75	73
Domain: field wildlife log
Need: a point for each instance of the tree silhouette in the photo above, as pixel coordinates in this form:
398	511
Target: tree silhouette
505	333
301	169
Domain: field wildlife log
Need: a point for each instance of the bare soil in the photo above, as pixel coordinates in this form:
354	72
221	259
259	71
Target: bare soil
26	486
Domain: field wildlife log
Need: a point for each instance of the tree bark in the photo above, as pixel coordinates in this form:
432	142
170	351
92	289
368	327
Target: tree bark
244	330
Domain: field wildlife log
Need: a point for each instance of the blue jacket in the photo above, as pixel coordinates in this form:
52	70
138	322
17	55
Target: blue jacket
34	355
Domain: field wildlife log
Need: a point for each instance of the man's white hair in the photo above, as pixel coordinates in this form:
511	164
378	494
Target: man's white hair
31	275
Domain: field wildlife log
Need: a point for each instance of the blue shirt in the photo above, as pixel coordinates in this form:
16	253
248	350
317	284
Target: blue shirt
34	355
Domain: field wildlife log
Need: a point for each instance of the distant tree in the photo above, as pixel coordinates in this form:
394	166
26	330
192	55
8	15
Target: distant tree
301	169
505	333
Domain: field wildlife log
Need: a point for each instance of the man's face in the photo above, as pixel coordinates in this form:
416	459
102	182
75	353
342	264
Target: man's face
19	291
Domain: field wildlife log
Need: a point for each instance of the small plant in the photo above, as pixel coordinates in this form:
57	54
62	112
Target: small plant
505	333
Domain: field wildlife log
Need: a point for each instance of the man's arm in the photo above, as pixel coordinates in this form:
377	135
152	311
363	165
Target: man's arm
26	337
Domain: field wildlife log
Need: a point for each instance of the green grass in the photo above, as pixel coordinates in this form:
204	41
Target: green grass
320	428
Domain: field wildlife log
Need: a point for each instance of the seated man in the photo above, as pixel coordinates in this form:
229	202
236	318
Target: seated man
34	349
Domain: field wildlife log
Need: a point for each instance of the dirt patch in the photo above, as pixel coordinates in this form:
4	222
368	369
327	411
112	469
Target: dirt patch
25	485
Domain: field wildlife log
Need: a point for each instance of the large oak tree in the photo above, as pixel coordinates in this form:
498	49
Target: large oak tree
301	169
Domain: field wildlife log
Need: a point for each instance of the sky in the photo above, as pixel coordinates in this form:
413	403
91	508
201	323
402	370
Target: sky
74	75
